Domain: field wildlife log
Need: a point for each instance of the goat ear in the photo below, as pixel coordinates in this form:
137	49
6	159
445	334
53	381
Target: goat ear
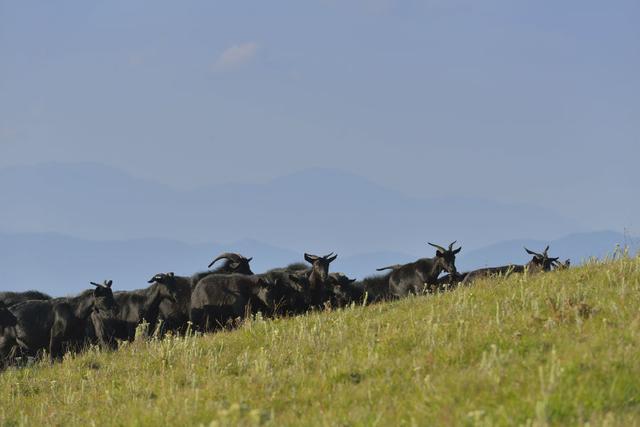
170	274
154	279
108	283
310	258
439	253
249	259
457	250
331	259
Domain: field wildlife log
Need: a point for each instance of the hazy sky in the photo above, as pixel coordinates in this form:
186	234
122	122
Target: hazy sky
514	100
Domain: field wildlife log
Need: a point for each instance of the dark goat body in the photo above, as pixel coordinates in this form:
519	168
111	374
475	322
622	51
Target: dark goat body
8	323
174	314
301	288
62	324
296	267
293	299
369	290
142	304
7	319
220	298
418	276
504	270
539	263
13	298
376	288
449	281
341	290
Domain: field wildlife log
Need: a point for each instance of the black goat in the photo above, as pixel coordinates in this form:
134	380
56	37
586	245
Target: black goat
13	298
218	299
539	263
417	277
143	304
62	324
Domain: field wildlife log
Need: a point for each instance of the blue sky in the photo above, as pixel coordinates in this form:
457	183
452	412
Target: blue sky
516	101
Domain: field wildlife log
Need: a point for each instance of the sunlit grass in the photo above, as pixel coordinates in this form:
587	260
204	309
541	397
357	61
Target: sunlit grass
560	348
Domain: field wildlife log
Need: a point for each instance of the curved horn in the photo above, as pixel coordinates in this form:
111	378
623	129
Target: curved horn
545	251
440	248
310	258
531	252
227	255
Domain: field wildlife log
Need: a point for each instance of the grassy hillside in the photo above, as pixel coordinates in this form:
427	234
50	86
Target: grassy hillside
561	348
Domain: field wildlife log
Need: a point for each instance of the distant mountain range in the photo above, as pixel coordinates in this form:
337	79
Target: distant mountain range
62	265
315	210
62	225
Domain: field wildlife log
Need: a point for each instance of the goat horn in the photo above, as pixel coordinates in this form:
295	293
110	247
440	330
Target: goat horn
451	245
227	255
311	257
440	248
531	252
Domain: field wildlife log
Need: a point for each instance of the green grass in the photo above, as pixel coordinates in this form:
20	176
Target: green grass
561	348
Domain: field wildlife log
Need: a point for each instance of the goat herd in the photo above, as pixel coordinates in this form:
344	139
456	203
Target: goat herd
33	324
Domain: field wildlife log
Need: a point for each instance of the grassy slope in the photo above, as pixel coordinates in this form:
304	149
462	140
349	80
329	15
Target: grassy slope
560	348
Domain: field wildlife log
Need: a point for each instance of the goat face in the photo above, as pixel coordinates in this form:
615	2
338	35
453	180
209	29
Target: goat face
541	262
167	285
446	258
103	301
320	264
